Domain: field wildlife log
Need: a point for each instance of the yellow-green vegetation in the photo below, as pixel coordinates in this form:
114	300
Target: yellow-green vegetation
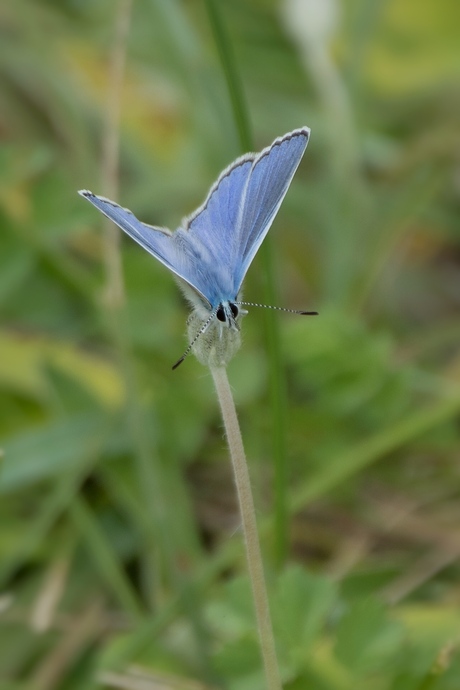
121	564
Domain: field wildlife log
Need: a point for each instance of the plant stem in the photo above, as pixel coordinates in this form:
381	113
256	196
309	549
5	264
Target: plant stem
115	298
248	519
110	155
232	77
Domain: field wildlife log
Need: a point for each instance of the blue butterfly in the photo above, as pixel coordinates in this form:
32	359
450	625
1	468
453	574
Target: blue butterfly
214	247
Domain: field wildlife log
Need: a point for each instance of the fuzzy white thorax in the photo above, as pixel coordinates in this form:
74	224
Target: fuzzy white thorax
221	339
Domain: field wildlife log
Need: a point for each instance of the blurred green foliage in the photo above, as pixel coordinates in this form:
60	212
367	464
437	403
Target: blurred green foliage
119	561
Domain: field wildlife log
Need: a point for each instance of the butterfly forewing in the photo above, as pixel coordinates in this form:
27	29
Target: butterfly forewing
160	242
213	225
270	177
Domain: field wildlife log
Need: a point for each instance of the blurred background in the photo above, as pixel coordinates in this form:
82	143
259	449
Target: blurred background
121	563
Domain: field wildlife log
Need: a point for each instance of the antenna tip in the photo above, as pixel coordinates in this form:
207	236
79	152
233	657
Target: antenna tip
308	313
179	361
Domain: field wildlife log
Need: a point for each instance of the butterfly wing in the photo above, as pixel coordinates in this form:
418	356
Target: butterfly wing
172	249
217	243
241	206
268	182
213	225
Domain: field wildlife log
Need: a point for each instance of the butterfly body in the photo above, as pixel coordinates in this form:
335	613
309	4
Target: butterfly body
213	248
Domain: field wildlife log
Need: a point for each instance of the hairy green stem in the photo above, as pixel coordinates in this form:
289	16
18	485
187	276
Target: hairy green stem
248	520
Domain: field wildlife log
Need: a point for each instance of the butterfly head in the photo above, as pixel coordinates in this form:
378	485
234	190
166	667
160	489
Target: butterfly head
214	334
227	314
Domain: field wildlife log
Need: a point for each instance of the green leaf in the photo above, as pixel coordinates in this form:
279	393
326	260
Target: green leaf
51	449
365	639
302	603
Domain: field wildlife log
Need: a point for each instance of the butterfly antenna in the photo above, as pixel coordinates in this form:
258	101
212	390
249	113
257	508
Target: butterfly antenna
203	328
268	306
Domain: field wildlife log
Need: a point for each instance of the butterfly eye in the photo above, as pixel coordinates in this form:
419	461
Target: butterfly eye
234	310
221	314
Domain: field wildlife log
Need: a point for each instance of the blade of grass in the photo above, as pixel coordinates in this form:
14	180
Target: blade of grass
373	449
53	507
151	481
276	379
396	219
85	631
110	152
232	77
190	596
104	557
439	667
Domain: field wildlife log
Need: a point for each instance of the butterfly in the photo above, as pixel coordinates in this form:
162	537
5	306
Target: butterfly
213	248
